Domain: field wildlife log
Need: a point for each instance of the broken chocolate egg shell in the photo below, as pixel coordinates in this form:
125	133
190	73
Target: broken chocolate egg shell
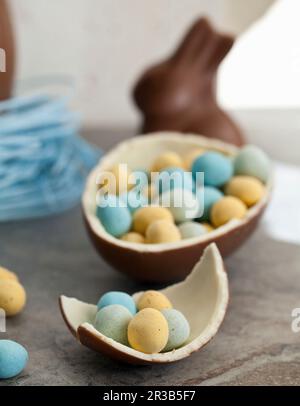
202	297
171	261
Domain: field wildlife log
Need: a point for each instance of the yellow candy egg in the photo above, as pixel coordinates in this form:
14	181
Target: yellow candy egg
133	237
116	180
144	216
148	331
247	188
6	274
162	231
226	209
190	157
208	226
12	296
166	160
154	300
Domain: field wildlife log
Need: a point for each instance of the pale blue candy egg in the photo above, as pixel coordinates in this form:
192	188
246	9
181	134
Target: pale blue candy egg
252	161
134	200
208	196
120	298
174	178
13	359
112	321
114	215
191	229
217	169
179	328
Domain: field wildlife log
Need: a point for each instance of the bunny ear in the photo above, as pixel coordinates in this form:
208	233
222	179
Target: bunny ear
189	47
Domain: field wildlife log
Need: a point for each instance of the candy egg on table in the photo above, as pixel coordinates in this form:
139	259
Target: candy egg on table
13	359
134	237
207	281
165	262
143	217
6	274
190	157
246	188
252	161
191	229
114	216
182	203
174	178
116	297
112	321
209	196
153	299
162	231
12	296
179	328
217	168
166	160
226	209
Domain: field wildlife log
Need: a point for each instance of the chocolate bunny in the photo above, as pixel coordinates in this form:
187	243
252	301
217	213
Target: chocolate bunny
6	52
179	93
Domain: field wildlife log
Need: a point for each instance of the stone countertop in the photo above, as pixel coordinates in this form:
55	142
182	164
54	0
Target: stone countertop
53	256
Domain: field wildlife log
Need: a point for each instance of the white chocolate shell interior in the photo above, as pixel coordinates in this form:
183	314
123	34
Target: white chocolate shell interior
139	153
202	297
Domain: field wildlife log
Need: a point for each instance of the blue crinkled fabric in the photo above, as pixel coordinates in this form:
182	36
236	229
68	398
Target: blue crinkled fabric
43	159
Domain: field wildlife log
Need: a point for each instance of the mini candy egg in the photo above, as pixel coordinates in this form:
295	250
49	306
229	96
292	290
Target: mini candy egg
120	179
179	328
115	218
134	199
155	300
252	161
210	196
12	296
6	274
141	177
248	189
162	231
133	237
182	203
217	168
143	217
148	331
208	226
191	229
190	157
174	178
13	359
119	298
166	160
112	321
226	209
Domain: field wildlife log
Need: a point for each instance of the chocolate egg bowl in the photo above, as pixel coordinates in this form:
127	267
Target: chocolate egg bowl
171	261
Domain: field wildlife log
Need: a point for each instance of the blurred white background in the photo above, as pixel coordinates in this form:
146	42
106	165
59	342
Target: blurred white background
105	44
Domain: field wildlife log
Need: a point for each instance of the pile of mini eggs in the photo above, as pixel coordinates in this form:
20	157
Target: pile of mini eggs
149	213
150	326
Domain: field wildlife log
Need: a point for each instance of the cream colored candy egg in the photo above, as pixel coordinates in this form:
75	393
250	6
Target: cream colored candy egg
143	217
247	188
148	331
133	237
6	274
190	157
155	300
226	209
166	160
162	231
12	296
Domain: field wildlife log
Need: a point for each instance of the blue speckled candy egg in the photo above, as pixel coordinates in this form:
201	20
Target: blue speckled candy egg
191	229
208	196
217	168
115	218
13	359
252	161
120	298
179	329
174	178
112	321
134	200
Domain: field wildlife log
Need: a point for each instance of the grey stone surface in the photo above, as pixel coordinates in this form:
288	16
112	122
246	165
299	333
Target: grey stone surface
254	346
